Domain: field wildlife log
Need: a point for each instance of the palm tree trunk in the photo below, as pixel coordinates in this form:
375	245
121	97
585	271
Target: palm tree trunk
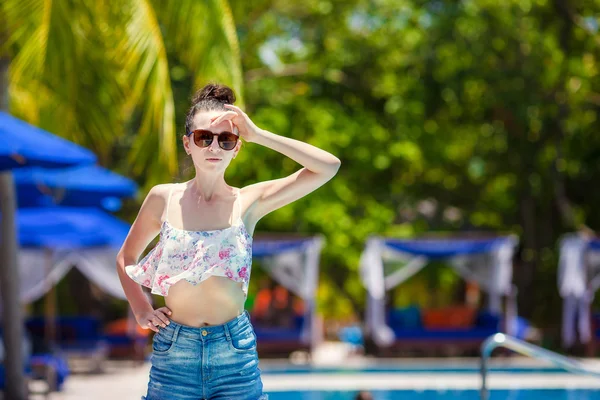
12	320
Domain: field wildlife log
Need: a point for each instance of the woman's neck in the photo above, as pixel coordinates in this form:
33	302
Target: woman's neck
207	185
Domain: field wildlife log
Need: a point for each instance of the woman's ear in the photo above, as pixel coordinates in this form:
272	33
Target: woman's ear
186	144
238	148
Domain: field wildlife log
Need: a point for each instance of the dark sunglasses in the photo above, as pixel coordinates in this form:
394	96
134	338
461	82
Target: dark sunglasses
204	138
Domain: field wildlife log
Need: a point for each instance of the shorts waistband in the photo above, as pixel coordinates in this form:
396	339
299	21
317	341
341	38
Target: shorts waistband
205	333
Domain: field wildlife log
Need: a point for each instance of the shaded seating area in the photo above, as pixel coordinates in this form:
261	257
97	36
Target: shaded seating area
81	335
54	240
87	339
386	263
53	369
284	313
578	281
434	330
49	368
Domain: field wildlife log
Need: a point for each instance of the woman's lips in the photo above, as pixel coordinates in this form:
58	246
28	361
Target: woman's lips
213	159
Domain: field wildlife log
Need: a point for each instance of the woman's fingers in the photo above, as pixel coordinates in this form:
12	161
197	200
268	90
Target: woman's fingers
233	127
161	318
151	326
156	318
234	108
225	116
164	310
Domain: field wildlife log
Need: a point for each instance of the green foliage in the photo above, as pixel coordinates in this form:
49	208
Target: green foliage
447	116
454	116
100	73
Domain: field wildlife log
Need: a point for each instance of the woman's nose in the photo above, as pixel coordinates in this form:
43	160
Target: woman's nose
214	146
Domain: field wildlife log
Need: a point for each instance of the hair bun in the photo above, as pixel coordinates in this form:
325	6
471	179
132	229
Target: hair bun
221	93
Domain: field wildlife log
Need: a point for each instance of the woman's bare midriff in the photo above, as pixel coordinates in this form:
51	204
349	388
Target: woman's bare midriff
212	302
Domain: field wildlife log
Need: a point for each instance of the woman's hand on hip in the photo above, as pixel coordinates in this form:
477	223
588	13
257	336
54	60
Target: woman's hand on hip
155	318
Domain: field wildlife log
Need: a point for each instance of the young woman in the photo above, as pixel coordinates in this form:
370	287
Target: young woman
204	346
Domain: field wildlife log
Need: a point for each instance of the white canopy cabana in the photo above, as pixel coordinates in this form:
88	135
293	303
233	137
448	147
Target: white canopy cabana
578	281
41	270
485	261
54	239
294	264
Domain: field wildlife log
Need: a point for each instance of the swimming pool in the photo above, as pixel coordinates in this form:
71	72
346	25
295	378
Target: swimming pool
527	394
447	381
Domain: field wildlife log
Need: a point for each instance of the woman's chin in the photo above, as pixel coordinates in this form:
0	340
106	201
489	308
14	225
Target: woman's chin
212	166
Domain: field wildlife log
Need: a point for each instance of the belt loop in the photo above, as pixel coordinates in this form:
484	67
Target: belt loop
227	333
175	333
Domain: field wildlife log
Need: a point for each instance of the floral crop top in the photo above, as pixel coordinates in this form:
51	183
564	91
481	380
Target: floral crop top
195	256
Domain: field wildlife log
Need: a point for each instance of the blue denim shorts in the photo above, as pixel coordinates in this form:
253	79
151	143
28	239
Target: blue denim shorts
212	362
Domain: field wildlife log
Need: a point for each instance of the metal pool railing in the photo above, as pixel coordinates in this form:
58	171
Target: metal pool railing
526	349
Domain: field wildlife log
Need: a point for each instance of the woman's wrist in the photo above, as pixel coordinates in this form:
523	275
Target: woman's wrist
261	136
140	309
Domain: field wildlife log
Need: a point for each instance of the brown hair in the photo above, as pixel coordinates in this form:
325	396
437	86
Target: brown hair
211	97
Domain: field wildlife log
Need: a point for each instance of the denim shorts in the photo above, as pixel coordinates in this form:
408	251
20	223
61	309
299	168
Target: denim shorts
211	362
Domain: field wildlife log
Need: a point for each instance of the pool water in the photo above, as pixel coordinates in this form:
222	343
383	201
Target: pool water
426	369
521	394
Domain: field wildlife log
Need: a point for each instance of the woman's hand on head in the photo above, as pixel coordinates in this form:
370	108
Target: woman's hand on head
155	318
247	129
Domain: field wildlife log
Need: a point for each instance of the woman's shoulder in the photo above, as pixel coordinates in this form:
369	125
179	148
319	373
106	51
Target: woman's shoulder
158	198
158	195
162	190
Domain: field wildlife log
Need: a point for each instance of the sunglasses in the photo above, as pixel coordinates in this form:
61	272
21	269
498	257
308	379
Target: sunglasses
204	138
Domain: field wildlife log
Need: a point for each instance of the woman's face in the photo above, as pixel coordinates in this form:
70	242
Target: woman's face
212	157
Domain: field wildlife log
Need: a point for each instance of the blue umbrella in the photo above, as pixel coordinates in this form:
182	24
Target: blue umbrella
69	228
22	145
84	186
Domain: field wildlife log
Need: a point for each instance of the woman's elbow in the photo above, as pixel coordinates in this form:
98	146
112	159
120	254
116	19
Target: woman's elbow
334	166
120	261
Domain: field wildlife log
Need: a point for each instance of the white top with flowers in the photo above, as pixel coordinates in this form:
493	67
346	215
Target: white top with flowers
195	256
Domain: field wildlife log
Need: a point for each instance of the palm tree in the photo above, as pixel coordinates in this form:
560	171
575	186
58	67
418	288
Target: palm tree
95	72
99	74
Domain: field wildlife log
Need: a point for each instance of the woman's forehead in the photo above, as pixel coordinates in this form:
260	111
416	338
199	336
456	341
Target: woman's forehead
202	121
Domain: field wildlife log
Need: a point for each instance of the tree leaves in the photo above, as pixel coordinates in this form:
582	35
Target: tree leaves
100	75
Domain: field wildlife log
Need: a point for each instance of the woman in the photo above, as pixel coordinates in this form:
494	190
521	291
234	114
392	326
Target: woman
204	346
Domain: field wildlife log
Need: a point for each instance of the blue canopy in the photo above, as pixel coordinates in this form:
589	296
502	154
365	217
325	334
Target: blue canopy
493	272
444	248
82	186
22	145
595	244
264	248
71	228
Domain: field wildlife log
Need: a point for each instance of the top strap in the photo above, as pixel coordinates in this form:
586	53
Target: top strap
239	201
166	211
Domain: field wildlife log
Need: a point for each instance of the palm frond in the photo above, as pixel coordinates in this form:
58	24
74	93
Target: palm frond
148	69
93	72
53	76
204	37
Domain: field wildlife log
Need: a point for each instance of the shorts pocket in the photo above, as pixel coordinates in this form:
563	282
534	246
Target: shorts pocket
162	342
244	340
